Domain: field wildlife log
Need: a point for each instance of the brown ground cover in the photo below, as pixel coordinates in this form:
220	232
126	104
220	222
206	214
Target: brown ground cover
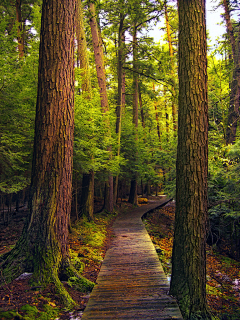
20	293
223	273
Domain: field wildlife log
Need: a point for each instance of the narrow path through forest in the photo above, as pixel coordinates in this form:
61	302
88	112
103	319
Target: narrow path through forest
131	283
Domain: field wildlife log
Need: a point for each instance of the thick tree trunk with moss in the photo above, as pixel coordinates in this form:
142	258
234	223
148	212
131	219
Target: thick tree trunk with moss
188	283
101	76
43	246
133	198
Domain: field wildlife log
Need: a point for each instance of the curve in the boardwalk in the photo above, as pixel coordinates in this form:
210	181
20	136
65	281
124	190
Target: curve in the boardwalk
131	283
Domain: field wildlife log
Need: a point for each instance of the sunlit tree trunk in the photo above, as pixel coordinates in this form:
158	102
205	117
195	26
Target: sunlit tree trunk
98	54
188	282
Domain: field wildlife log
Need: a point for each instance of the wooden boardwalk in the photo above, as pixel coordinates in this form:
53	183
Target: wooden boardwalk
131	283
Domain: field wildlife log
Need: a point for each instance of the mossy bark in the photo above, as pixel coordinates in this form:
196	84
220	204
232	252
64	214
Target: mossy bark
188	282
43	246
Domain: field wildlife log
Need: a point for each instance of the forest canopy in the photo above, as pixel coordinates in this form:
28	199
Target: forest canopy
144	151
141	77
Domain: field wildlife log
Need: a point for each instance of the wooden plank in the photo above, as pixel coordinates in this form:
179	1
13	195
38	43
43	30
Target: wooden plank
131	283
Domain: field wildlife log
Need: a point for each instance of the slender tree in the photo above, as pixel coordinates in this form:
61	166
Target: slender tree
101	76
121	33
233	110
169	37
133	198
188	281
43	247
87	194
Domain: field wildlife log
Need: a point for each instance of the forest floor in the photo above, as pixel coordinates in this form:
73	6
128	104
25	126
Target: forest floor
223	273
89	242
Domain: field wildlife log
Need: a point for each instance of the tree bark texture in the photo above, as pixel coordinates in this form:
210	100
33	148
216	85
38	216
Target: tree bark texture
98	54
43	246
188	283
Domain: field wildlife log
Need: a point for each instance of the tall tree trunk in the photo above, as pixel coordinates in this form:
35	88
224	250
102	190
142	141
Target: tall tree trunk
82	50
233	111
43	247
120	95
141	108
188	282
87	196
174	107
133	190
98	54
19	29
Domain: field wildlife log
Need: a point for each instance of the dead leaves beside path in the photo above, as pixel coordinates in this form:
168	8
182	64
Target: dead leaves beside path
223	273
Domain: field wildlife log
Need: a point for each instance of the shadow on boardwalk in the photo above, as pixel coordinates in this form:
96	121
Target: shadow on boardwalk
131	283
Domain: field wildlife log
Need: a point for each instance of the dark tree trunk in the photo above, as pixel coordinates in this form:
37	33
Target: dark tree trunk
133	192
87	196
43	246
188	283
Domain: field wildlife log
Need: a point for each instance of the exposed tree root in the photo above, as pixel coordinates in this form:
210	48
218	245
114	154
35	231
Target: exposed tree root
15	263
